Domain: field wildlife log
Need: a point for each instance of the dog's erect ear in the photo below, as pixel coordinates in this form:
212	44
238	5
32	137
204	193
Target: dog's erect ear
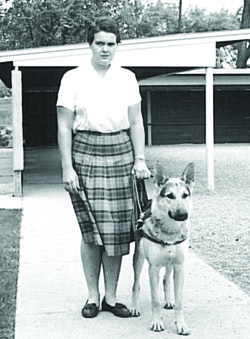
160	174
188	174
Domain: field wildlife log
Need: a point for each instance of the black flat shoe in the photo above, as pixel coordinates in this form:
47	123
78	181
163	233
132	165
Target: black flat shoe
118	310
90	310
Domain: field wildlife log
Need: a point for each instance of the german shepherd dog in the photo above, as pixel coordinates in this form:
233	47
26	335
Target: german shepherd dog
164	243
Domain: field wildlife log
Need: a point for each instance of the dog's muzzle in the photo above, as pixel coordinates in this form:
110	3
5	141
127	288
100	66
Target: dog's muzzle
178	216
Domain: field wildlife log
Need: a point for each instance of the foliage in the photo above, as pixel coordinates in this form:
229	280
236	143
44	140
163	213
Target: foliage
10	221
34	23
226	57
42	23
158	19
198	20
30	23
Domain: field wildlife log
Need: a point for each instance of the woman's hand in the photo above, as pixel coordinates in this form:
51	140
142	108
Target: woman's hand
70	181
140	169
137	134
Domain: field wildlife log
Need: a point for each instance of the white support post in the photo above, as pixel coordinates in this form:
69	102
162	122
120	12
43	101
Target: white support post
210	128
149	118
17	118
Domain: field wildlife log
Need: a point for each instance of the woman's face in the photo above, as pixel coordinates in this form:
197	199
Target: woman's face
103	49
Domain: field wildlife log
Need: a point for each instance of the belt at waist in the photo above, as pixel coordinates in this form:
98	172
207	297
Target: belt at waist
102	133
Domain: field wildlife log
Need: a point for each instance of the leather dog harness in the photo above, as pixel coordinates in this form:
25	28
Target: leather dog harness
151	237
157	241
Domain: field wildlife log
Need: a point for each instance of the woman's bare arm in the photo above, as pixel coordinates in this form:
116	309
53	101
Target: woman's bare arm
65	124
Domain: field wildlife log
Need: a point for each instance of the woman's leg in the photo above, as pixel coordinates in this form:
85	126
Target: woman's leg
111	270
91	261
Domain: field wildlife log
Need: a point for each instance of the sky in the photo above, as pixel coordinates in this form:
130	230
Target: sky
214	5
210	5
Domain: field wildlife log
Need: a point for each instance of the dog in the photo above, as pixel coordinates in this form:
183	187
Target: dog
164	243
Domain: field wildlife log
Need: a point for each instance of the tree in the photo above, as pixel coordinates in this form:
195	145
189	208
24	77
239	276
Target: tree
31	23
158	19
180	17
198	20
34	23
244	47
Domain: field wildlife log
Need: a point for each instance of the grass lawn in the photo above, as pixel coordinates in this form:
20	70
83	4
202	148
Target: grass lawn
10	221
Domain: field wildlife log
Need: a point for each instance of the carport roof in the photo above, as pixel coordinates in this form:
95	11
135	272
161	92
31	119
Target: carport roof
176	50
228	76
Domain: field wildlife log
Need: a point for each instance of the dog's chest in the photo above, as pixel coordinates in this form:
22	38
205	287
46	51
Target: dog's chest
161	255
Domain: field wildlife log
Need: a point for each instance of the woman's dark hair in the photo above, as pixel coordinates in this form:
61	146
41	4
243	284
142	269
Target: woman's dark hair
103	24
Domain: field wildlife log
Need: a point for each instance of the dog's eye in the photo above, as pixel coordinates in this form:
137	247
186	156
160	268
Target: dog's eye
185	195
170	196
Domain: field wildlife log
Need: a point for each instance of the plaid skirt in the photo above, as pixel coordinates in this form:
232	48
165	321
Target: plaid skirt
105	206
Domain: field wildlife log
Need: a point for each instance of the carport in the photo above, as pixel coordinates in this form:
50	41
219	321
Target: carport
146	57
174	107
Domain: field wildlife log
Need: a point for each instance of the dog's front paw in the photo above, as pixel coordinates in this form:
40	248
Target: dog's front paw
157	325
135	312
182	328
169	306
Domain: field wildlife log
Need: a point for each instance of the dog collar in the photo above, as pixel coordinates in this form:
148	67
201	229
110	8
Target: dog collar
157	241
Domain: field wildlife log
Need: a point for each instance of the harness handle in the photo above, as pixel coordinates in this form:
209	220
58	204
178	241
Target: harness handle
136	193
145	209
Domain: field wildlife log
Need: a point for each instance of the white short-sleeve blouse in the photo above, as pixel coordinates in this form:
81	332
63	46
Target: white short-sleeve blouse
100	104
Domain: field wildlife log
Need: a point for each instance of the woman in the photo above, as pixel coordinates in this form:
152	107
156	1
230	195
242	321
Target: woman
100	103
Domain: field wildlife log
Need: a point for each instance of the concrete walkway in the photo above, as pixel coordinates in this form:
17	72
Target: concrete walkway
52	290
